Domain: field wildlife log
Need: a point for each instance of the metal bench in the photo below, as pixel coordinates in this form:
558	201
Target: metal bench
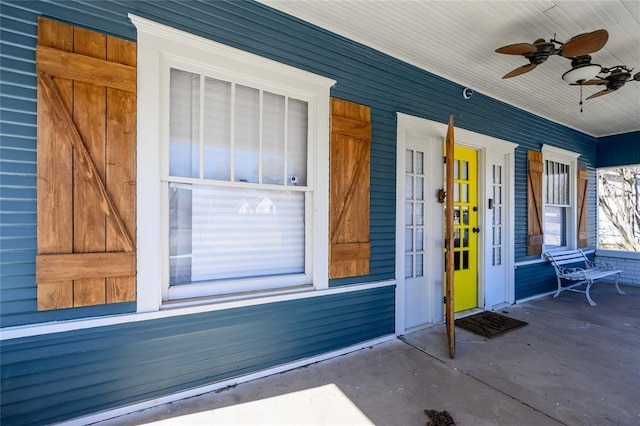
586	273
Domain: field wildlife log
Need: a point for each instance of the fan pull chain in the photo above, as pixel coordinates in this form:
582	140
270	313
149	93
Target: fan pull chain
580	97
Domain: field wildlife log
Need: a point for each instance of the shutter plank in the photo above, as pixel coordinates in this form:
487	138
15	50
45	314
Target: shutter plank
54	177
89	118
121	165
88	69
350	249
79	266
535	237
583	230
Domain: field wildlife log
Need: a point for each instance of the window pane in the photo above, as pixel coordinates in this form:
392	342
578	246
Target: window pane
419	265
555	226
273	139
297	141
247	134
217	129
408	213
419	162
419	214
408	161
408	266
184	125
230	233
408	239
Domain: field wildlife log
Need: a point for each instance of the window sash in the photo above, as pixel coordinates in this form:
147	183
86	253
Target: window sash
223	130
229	142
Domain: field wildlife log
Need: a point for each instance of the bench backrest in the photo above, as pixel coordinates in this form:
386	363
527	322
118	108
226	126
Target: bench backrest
566	257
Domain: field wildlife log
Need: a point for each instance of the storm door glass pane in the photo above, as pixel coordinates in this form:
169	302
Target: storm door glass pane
184	124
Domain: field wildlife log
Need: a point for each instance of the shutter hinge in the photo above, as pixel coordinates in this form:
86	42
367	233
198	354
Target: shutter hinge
444	300
444	160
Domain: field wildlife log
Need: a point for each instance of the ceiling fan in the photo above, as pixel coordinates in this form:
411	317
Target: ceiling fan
617	78
539	51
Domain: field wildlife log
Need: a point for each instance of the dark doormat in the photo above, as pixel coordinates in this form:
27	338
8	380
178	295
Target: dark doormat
489	324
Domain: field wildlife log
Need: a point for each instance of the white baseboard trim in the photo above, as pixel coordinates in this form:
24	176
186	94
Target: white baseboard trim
127	409
537	296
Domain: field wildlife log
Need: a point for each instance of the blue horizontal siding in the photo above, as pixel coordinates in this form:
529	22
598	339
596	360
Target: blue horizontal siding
619	150
101	368
534	279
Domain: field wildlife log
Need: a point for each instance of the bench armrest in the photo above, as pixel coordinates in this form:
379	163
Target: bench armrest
604	266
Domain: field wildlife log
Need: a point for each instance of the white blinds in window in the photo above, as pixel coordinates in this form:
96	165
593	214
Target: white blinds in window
222	233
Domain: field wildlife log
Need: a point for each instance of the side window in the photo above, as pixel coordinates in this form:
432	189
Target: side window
559	191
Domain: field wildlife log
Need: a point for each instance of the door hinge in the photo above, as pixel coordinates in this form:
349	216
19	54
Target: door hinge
444	300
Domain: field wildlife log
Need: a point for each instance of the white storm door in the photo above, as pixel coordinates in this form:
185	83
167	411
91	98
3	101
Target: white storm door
416	288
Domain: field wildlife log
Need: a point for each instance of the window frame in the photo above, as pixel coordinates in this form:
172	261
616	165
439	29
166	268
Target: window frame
158	47
569	158
610	251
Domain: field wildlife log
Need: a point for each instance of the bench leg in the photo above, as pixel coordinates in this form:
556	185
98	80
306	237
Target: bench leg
617	287
586	292
559	288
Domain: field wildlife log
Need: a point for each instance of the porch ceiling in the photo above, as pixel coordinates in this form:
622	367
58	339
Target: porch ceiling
457	39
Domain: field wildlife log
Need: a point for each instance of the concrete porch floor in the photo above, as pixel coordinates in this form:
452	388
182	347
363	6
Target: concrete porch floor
573	364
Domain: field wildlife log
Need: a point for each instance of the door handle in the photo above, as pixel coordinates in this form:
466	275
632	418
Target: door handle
476	230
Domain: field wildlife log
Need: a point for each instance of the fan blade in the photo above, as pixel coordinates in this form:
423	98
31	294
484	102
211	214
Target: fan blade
517	49
520	70
590	82
603	92
585	44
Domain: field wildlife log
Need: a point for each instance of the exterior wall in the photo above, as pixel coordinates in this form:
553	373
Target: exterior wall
628	262
619	150
364	76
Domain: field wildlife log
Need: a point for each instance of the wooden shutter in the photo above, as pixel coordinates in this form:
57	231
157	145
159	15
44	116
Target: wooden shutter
349	189
583	230
86	167
535	236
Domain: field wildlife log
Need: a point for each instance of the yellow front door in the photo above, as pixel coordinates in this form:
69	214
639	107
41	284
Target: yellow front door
465	220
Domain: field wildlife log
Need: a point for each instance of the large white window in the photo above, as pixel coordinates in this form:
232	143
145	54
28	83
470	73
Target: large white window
233	184
559	194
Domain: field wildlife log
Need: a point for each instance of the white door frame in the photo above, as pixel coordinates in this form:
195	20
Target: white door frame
490	151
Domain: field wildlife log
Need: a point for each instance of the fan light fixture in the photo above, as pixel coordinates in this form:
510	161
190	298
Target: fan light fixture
581	73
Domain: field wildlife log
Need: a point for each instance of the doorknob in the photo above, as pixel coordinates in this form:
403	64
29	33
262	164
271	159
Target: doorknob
476	230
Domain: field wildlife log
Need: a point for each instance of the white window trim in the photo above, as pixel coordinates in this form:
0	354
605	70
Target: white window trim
157	43
560	155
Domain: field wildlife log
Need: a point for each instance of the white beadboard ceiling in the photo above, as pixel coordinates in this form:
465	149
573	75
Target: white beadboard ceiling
457	39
